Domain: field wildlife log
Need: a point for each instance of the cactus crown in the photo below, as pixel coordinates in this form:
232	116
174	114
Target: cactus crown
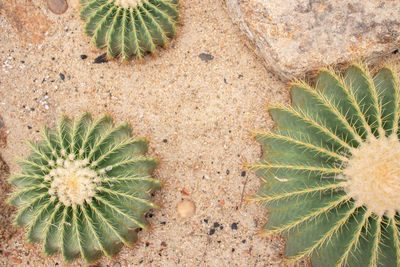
130	27
330	171
85	188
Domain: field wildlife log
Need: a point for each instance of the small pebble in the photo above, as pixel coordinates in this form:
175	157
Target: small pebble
206	57
243	174
16	260
234	226
83	56
216	224
62	76
101	59
212	231
57	6
165	140
186	208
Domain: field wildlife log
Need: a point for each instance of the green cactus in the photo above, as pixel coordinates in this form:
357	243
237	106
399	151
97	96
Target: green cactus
84	189
330	172
130	27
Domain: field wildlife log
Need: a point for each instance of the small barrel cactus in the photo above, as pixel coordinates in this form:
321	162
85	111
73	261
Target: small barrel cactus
330	172
130	27
84	189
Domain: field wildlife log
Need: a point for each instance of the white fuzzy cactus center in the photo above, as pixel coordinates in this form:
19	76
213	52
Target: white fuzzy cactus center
73	182
373	175
127	3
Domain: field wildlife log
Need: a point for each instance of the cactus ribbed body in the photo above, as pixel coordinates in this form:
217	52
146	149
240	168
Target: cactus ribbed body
130	27
84	189
330	171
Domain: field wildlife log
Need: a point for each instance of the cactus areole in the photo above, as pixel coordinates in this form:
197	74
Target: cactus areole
130	28
85	188
331	170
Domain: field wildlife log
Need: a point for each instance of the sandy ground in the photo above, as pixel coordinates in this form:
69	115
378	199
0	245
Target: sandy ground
197	115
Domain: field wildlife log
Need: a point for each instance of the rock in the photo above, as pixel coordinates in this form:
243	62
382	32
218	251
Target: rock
295	37
27	20
74	4
57	6
186	208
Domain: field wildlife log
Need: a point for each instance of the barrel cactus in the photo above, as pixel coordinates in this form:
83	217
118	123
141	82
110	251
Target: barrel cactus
330	171
130	27
84	188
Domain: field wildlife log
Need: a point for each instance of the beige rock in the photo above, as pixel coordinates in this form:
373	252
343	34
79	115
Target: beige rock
74	4
57	6
186	208
296	36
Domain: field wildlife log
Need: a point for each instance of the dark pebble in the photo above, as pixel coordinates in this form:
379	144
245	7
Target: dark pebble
206	57
29	127
165	140
233	250
53	58
101	59
62	76
163	223
234	226
227	172
243	174
240	76
221	227
83	56
396	51
205	220
147	244
22	61
163	244
225	81
244	241
216	225
212	231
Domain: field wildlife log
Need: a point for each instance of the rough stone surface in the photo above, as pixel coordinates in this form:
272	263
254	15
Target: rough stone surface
26	19
296	37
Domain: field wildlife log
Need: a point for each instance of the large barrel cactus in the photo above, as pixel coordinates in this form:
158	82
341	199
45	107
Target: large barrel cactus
84	189
330	171
130	27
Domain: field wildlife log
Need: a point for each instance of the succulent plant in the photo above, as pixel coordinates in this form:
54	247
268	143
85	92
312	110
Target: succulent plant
84	188
130	27
330	172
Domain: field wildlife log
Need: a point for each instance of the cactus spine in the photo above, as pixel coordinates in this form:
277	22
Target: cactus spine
330	172
130	27
84	189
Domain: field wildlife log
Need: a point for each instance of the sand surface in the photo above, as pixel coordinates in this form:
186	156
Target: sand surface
197	115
